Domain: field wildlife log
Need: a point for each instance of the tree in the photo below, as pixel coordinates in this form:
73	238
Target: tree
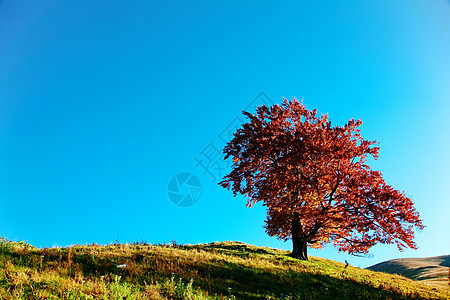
314	181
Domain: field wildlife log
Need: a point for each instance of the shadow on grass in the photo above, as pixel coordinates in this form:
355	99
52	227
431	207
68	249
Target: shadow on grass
234	248
248	283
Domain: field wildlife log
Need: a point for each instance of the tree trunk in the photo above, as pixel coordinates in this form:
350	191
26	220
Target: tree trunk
299	249
299	246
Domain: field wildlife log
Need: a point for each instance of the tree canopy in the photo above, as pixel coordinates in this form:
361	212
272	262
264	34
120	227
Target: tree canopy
315	181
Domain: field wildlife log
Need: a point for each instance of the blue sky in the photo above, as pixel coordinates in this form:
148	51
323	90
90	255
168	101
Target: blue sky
102	104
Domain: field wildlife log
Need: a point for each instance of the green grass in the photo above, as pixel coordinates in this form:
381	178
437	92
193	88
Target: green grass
228	270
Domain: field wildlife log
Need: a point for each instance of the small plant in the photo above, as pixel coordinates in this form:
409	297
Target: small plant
5	244
345	268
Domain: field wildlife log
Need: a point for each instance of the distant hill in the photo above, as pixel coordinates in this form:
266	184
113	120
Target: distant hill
216	271
430	270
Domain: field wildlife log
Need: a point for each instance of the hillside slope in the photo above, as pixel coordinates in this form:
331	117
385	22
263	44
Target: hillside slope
430	270
228	270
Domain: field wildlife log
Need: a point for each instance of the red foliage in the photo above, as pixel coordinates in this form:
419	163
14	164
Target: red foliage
315	182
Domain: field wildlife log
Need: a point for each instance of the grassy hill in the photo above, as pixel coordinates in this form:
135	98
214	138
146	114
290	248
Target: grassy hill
430	270
228	270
